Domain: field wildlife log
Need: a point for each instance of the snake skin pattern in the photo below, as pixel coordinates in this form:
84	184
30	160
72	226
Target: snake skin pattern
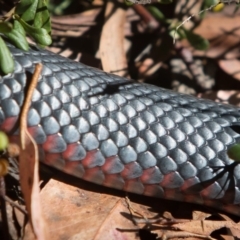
124	135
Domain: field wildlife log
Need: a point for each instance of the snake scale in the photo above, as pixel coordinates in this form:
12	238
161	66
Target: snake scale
125	135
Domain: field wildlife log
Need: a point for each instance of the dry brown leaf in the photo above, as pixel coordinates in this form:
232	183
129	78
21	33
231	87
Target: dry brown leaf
114	218
20	218
235	231
198	215
29	180
226	237
72	213
223	96
182	235
81	19
28	166
111	48
231	66
187	8
74	25
206	227
11	231
162	226
13	150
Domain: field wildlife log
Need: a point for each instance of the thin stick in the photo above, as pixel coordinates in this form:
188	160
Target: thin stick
10	201
28	98
132	211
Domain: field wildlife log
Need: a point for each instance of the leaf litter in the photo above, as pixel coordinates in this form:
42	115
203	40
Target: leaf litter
71	213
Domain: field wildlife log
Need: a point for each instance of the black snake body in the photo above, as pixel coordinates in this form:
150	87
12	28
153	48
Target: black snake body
124	135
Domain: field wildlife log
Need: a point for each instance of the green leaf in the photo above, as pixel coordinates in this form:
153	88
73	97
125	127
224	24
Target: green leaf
206	4
18	27
35	13
27	9
42	17
5	27
234	152
18	36
6	60
61	7
165	1
196	40
3	141
156	13
40	35
23	6
128	3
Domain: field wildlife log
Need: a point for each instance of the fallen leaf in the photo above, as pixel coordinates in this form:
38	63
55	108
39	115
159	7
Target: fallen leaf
72	213
111	48
231	66
206	227
223	96
198	215
29	165
234	230
29	180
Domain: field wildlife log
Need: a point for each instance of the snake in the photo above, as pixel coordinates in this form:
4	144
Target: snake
118	133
